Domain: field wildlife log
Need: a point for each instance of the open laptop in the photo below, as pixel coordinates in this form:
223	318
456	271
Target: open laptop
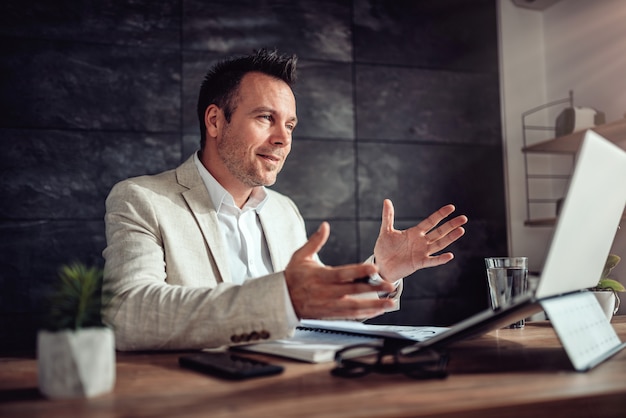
582	239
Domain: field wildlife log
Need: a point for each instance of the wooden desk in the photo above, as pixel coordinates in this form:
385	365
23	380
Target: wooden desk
506	373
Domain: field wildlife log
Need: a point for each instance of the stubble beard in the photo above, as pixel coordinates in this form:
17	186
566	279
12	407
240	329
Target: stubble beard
240	166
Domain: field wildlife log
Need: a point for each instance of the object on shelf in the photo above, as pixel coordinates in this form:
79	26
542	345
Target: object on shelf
576	118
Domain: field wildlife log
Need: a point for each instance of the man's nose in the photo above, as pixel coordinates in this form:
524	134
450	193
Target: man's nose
281	136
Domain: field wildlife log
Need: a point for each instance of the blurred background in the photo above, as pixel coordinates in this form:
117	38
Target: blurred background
396	99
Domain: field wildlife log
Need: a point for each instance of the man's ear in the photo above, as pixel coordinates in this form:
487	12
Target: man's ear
212	120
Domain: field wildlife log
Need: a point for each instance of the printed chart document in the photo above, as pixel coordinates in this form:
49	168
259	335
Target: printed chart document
317	341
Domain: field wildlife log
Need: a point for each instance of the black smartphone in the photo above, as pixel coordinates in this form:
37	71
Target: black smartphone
227	365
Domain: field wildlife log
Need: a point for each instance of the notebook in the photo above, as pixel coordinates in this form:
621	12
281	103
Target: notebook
581	242
317	341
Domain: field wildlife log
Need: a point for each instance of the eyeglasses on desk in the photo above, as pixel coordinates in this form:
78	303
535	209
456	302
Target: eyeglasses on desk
390	359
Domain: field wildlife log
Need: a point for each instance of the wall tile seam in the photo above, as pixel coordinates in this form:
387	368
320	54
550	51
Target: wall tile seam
455	70
88	43
89	130
42	221
183	49
426	143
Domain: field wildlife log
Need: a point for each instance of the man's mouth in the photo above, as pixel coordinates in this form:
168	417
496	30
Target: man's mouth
270	157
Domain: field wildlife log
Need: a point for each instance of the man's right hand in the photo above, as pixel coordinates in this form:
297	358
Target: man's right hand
323	292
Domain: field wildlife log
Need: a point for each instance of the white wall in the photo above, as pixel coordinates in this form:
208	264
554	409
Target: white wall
577	45
585	44
523	86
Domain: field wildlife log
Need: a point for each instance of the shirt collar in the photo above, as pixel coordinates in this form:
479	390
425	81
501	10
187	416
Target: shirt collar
219	195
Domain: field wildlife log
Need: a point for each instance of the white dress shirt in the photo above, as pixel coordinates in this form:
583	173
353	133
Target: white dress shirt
242	233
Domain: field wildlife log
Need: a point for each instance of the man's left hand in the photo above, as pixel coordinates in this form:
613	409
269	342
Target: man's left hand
400	253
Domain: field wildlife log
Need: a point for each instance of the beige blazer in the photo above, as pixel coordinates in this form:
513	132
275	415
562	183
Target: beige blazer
166	263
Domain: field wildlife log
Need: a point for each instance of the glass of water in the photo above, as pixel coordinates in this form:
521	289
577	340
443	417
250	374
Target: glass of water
507	278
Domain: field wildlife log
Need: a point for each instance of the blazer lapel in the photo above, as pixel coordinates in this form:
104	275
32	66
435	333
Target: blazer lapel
275	235
197	198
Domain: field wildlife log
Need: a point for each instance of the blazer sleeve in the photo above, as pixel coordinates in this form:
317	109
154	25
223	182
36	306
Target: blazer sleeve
168	293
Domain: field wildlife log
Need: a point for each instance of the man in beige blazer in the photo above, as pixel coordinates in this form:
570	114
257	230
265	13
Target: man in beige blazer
174	239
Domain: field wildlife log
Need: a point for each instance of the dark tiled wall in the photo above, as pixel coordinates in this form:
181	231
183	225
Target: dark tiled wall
396	99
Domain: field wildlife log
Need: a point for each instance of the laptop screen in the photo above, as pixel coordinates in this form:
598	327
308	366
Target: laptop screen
589	219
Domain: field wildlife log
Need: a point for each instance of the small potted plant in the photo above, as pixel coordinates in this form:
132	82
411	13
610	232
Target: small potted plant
75	350
607	288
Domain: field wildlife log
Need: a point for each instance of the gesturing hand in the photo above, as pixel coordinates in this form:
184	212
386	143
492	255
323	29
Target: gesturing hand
400	253
319	291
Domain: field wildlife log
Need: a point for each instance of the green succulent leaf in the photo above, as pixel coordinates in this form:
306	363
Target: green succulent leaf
78	299
605	283
611	261
610	284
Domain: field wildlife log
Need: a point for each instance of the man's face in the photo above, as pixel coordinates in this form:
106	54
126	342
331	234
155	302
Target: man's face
254	145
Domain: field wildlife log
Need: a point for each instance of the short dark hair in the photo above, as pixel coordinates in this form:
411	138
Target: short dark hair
222	81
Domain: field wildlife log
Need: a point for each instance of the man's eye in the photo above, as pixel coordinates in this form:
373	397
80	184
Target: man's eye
291	127
268	117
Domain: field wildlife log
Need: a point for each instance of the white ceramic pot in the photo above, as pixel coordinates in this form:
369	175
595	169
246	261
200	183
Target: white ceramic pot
76	364
609	302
